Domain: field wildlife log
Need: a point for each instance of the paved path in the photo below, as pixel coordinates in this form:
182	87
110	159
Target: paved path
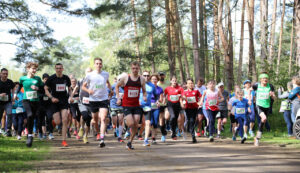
173	156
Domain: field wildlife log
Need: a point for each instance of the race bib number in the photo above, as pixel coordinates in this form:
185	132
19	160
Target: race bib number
212	102
191	99
4	98
154	106
263	96
99	86
19	110
133	93
31	94
75	101
45	98
284	106
60	87
174	98
121	95
85	100
240	110
146	109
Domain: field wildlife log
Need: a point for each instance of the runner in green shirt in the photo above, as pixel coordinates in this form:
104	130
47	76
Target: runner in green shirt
264	92
31	84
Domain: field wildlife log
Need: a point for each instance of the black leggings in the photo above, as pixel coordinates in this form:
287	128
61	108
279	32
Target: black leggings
45	119
174	110
74	109
191	118
31	111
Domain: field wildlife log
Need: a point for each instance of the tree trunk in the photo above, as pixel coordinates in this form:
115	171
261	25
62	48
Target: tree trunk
186	64
168	33
297	6
252	74
177	40
264	31
272	36
216	45
151	36
280	39
239	74
205	43
201	36
137	48
292	43
195	40
230	75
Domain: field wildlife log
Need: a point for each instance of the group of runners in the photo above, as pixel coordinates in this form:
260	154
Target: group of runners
137	104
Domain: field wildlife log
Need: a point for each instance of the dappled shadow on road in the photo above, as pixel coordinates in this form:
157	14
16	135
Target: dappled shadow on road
172	156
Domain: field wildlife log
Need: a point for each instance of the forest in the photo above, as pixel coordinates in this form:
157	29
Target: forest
224	40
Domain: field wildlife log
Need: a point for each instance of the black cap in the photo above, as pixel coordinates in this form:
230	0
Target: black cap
45	75
161	73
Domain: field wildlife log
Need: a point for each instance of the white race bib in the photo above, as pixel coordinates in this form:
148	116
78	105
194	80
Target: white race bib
121	95
19	110
240	110
45	98
31	94
133	93
174	98
75	101
191	99
85	100
60	87
4	98
146	109
263	96
154	106
99	86
212	102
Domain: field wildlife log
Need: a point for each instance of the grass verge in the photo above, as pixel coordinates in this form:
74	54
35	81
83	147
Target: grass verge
16	157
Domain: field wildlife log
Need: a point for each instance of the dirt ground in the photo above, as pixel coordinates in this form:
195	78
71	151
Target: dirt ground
223	155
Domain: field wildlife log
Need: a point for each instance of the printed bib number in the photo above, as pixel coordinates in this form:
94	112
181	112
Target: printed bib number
146	109
4	98
45	98
75	101
60	87
191	99
19	110
31	94
240	110
85	100
263	96
99	86
212	102
133	93
174	98
154	106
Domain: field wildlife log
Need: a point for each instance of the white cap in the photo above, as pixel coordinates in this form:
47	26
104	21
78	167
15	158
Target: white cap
220	84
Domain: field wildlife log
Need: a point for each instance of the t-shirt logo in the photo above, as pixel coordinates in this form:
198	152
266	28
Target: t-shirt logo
60	87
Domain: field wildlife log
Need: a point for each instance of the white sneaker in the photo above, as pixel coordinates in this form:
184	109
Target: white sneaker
19	137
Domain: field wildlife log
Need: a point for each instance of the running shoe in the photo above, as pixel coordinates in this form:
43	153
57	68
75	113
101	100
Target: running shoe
102	144
8	133
129	146
51	137
243	140
140	137
19	137
198	134
127	135
174	138
178	133
2	131
120	140
80	134
163	139
146	143
251	133
29	141
64	143
78	137
153	141
40	136
75	133
85	140
98	137
256	142
211	139
194	140
233	138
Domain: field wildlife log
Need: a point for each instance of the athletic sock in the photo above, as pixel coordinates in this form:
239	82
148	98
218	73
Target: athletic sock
219	132
120	131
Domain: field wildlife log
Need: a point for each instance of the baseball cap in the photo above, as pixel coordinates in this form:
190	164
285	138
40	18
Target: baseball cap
247	81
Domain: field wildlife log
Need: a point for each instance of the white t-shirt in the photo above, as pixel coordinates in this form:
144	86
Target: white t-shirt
97	83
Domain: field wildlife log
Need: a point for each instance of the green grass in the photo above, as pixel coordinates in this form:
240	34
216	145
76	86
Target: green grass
16	157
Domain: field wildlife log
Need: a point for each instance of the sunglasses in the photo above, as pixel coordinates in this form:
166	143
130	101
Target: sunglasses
146	75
